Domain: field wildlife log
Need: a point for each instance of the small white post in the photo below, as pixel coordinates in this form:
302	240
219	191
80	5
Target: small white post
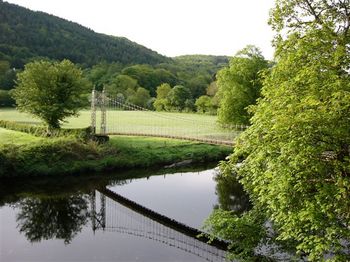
93	111
103	112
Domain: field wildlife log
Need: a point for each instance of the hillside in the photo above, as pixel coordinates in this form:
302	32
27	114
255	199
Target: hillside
116	63
25	34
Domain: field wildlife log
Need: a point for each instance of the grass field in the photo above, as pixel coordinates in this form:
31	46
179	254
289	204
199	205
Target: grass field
24	154
12	114
17	138
140	122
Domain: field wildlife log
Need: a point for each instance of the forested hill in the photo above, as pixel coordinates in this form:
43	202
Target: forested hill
25	34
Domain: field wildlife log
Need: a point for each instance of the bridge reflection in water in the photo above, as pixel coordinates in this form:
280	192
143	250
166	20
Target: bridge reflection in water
114	213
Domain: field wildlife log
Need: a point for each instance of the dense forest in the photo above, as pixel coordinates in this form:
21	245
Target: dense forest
25	34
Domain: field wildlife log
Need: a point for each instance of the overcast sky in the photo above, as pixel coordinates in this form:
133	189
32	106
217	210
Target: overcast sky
172	27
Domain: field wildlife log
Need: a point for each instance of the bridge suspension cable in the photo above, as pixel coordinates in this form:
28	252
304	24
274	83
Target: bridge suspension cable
118	117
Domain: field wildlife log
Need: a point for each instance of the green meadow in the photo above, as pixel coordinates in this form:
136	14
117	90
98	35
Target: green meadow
142	122
25	154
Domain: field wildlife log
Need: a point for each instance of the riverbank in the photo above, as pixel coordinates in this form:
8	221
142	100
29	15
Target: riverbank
23	155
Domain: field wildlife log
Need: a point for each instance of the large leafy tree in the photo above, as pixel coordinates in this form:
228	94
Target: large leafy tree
140	97
178	96
239	85
161	103
203	104
50	91
120	84
294	160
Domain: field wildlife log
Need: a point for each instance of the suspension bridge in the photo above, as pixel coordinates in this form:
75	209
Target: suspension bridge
117	117
115	213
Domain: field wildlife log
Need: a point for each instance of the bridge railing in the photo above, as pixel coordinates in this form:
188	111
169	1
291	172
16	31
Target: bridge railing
118	117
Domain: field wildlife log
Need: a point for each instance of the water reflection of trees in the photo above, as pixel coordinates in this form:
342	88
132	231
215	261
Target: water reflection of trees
231	196
52	217
235	219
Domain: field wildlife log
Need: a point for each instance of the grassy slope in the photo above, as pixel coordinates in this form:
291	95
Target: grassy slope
17	138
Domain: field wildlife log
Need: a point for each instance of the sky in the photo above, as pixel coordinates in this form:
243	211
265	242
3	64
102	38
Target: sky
172	27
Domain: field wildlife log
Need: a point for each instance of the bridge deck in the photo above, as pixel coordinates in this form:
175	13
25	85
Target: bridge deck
203	140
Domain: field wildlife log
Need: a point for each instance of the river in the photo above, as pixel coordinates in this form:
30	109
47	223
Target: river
74	219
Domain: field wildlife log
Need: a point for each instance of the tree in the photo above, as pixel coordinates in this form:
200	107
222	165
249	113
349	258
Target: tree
5	98
163	91
120	84
162	103
7	75
189	105
212	92
50	91
239	85
198	85
104	74
203	104
140	97
148	77
212	89
178	96
294	159
162	75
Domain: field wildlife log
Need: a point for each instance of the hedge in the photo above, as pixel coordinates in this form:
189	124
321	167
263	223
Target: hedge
42	131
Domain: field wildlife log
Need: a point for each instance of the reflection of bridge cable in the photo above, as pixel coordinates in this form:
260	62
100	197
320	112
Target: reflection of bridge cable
216	255
168	222
125	216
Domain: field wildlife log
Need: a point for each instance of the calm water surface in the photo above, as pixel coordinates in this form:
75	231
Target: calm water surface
71	220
